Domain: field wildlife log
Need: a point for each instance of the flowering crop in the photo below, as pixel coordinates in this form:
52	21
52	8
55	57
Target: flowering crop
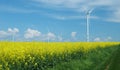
41	55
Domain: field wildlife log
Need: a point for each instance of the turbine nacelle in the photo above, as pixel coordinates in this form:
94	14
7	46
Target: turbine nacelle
89	11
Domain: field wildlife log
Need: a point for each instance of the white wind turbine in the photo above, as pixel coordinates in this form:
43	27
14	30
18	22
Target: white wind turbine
48	39
88	24
13	31
60	37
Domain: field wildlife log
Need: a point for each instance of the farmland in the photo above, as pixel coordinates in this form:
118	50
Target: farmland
55	55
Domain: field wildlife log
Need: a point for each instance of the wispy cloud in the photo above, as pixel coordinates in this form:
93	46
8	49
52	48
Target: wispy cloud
3	34
61	3
72	17
13	9
83	5
73	5
115	17
77	4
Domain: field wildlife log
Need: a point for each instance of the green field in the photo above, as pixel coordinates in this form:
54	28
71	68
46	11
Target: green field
59	55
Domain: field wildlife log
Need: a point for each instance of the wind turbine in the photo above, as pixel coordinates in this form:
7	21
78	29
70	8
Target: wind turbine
88	24
48	35
60	37
13	39
13	32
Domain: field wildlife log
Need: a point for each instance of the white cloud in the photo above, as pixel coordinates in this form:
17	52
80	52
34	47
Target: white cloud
9	32
97	39
30	33
35	34
73	34
51	36
13	31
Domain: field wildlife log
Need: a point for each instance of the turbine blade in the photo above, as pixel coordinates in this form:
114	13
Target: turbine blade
90	11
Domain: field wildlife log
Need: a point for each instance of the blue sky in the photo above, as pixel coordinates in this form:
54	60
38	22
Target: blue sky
59	20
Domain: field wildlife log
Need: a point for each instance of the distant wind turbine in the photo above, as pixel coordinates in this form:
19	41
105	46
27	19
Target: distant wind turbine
87	20
13	39
13	32
48	35
60	37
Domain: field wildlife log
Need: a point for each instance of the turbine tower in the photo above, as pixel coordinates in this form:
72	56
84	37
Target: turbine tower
13	38
48	39
88	24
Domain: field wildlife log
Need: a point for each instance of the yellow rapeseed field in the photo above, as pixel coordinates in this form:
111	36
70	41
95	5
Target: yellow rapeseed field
34	54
